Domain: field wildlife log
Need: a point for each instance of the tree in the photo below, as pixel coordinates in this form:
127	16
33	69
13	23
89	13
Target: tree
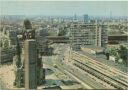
123	52
27	24
62	33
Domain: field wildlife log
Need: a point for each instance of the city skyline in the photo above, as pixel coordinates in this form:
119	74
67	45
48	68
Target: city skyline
95	8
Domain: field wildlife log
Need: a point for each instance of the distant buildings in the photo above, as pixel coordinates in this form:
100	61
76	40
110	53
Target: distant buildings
86	19
12	34
6	54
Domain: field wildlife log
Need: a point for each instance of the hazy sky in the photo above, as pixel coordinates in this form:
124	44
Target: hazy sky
118	8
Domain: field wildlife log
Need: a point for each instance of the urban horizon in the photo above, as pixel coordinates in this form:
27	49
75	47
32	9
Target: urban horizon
65	8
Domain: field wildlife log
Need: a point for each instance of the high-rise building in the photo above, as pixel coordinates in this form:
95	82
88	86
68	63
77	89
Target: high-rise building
75	36
88	34
86	18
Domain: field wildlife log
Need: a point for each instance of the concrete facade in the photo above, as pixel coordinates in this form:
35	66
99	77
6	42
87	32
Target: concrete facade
88	34
30	64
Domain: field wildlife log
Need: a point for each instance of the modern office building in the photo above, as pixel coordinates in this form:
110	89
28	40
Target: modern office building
86	18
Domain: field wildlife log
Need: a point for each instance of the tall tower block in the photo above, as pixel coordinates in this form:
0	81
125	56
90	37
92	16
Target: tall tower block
30	52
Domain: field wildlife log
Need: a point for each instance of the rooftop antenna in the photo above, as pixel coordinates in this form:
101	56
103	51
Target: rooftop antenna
75	18
110	14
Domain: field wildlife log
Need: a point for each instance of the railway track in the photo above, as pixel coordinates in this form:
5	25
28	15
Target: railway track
101	65
100	71
108	71
100	75
71	72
